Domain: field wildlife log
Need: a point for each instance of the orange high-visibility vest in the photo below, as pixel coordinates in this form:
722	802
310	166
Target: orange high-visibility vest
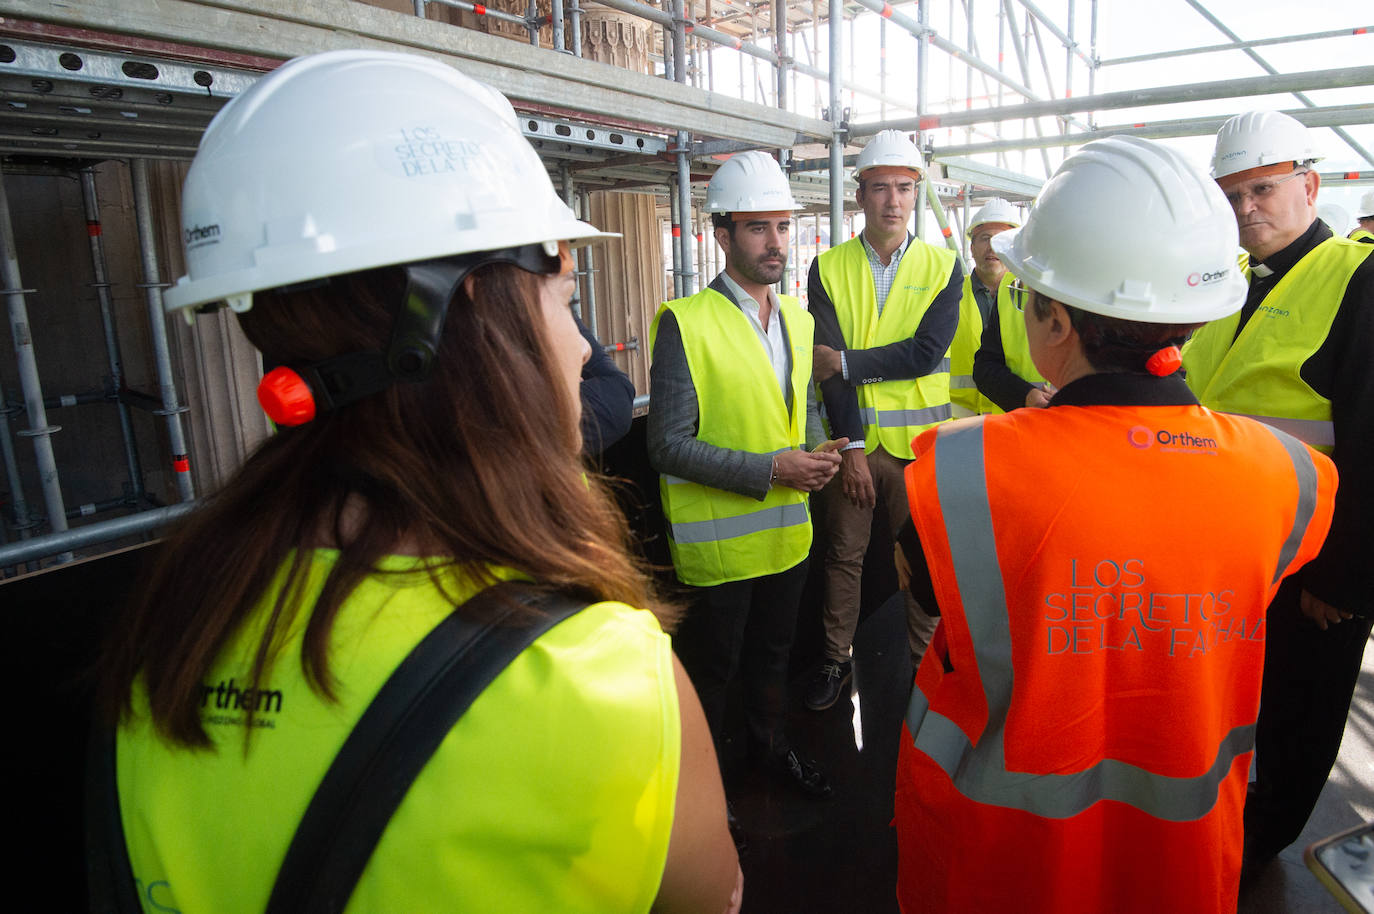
1080	732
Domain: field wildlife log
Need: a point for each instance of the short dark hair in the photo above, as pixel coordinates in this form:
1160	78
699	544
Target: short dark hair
724	221
1113	343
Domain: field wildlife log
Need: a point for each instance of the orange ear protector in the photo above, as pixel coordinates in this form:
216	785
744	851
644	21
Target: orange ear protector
295	395
1164	362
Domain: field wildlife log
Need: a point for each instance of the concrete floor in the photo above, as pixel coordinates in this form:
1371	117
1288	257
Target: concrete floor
1288	886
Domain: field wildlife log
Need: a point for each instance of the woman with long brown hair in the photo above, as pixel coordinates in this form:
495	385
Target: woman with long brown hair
391	241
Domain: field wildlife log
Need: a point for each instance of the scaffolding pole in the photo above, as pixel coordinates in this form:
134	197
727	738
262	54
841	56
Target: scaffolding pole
1238	45
107	320
157	321
92	534
1264	64
39	430
684	165
837	125
1340	78
1193	126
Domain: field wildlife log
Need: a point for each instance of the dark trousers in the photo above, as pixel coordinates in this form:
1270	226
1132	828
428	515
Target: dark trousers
744	627
1309	677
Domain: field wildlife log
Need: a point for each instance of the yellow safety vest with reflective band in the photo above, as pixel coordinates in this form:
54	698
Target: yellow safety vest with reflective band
963	393
893	412
1362	236
554	792
1258	373
717	536
1011	320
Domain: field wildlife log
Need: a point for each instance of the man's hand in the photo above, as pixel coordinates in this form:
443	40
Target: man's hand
825	362
1037	398
855	480
807	471
1321	612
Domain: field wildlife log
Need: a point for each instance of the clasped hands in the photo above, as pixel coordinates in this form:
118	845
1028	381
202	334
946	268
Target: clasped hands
808	471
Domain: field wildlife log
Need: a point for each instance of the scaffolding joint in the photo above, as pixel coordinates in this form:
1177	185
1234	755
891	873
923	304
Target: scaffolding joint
43	432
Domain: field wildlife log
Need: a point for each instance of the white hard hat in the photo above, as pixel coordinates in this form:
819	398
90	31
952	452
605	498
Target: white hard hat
1128	228
1366	206
995	210
350	160
749	182
1335	217
890	149
1260	138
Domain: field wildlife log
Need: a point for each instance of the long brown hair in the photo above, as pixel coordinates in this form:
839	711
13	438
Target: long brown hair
477	466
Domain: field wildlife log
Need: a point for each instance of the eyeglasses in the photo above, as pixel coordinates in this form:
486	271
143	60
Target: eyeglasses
1260	191
1019	293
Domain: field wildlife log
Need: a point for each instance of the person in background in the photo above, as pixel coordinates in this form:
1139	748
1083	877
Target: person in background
387	236
734	436
886	306
1364	230
1079	735
608	397
1003	373
977	305
1297	356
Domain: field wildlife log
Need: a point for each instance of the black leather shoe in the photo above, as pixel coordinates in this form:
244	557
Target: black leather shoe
800	772
828	684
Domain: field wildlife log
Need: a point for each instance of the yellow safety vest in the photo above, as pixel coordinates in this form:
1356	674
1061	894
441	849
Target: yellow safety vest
717	536
963	393
1361	236
1015	344
1258	372
893	412
554	792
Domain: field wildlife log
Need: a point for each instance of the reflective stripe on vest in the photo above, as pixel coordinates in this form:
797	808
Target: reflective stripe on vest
708	531
904	418
921	276
1258	371
979	772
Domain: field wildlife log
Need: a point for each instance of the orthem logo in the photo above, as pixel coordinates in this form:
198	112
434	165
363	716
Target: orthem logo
201	234
231	697
1232	155
1203	279
1142	438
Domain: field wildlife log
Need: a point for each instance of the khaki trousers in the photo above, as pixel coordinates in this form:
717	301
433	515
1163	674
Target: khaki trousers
847	534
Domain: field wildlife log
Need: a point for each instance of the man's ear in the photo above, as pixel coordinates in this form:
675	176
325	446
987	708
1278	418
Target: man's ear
1060	327
723	238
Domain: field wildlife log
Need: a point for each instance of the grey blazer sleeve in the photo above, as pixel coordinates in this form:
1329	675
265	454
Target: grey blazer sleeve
674	449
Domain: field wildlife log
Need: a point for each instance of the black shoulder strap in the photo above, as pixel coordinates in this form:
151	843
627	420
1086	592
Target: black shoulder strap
395	738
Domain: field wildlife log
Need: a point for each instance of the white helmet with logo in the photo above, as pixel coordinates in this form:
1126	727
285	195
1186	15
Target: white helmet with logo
1366	210
1260	138
1128	228
890	149
995	210
421	162
749	182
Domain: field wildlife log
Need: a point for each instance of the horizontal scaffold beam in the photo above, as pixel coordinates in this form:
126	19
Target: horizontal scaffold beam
268	28
1341	78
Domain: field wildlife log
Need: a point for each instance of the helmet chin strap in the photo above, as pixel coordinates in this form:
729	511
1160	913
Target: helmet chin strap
294	395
